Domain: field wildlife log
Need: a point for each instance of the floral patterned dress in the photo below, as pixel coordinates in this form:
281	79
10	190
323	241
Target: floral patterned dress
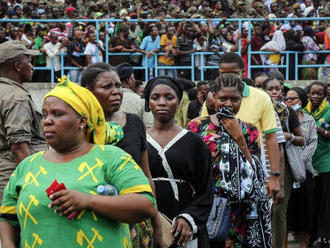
239	181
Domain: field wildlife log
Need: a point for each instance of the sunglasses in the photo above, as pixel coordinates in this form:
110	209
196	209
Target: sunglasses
290	98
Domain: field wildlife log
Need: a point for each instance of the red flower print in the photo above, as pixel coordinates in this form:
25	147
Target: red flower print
211	127
193	126
254	135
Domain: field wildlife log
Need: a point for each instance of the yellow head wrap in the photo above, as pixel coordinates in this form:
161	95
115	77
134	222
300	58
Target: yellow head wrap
85	104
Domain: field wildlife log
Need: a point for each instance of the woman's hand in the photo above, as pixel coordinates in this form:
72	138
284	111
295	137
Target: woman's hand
68	201
182	231
233	128
157	232
288	136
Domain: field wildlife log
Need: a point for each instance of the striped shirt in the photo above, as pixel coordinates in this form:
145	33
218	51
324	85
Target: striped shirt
280	139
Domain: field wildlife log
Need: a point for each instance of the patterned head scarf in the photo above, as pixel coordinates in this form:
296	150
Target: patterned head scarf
85	104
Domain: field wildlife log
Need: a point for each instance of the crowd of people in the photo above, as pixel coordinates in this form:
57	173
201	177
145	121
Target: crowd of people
173	152
85	43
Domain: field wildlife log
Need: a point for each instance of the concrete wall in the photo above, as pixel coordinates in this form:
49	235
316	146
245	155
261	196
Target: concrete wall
38	90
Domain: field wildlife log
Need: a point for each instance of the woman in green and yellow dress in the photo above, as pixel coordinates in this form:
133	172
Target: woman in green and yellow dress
74	127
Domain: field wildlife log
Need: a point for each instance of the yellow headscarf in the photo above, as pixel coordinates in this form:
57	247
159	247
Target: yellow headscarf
85	104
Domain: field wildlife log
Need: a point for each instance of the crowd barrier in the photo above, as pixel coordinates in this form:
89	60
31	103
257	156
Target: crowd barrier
191	67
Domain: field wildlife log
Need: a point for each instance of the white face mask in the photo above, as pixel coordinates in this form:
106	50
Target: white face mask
296	107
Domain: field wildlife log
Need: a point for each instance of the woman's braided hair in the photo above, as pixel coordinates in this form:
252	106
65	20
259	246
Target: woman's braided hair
228	80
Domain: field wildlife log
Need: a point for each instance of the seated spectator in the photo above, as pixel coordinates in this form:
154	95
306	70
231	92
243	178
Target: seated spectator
168	45
276	45
12	33
76	48
94	49
3	37
195	107
122	44
292	44
215	46
201	45
184	49
52	49
150	45
309	58
59	30
40	61
257	41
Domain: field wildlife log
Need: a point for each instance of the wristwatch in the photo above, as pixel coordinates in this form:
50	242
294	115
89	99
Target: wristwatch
275	173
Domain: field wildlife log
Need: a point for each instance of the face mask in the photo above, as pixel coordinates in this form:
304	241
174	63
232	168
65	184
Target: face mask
296	107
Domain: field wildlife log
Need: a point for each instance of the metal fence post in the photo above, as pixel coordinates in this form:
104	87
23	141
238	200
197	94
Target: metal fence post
249	50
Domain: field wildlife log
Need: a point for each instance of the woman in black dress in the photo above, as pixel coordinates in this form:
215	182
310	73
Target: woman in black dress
179	164
124	130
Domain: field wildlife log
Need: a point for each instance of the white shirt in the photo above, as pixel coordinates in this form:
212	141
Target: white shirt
199	47
52	52
91	49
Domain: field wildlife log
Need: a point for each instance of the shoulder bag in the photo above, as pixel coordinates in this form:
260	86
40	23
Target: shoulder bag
296	162
218	223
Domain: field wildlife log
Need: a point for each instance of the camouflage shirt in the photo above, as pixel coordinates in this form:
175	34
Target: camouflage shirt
20	122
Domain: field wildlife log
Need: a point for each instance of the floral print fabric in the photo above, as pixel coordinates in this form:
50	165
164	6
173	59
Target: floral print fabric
239	181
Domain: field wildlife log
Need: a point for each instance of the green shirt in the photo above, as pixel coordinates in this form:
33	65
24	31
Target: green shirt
25	198
41	59
321	157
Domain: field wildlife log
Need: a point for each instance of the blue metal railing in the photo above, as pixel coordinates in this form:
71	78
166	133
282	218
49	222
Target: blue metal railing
202	55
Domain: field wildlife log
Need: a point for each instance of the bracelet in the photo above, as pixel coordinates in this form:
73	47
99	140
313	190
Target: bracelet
275	173
292	137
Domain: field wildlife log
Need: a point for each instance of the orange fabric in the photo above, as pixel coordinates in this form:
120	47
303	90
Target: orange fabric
327	41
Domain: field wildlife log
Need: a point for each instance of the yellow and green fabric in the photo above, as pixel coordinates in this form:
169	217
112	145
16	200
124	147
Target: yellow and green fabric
25	201
85	104
321	157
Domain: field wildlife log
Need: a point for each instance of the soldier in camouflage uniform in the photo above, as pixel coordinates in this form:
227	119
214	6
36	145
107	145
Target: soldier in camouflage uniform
20	122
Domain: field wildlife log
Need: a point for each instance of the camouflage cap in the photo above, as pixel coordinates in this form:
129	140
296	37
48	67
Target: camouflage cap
252	13
192	10
240	3
177	10
92	4
196	16
322	11
186	15
11	49
207	9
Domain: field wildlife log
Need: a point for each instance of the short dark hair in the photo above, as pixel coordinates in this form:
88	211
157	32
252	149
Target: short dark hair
249	81
228	80
320	83
125	70
276	74
231	57
200	83
192	94
138	83
268	80
188	25
258	74
91	73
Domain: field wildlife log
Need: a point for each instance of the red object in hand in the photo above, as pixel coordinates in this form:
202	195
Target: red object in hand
55	187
